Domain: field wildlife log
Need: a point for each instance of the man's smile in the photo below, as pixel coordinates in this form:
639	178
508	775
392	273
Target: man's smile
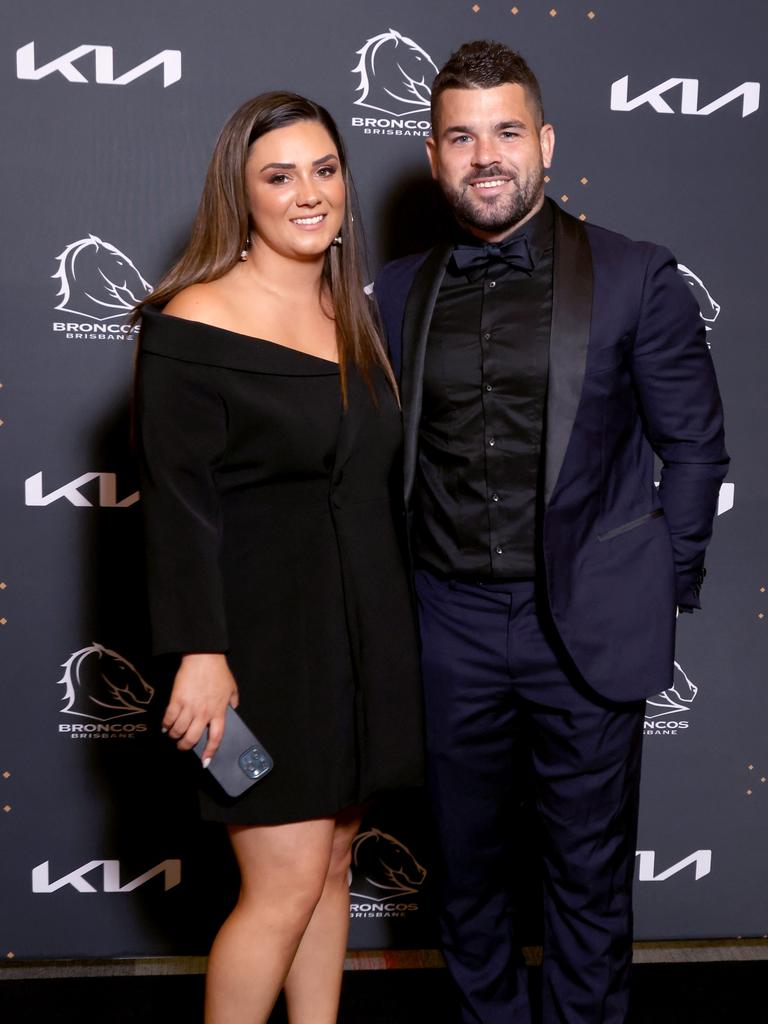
487	184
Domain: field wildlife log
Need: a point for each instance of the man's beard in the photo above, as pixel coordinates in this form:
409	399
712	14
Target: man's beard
501	213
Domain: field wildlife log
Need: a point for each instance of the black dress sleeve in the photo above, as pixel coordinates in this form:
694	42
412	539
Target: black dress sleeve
181	421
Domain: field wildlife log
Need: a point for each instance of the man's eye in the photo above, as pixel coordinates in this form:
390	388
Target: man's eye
461	138
510	135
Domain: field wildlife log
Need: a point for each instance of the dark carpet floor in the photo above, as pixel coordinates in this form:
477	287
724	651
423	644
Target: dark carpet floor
716	993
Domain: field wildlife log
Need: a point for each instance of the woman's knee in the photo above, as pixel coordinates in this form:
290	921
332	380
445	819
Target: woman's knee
284	868
287	897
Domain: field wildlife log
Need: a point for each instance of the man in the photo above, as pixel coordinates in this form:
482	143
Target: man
542	362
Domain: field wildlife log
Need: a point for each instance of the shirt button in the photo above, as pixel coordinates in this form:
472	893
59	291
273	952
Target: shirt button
494	497
491	441
499	551
491	284
489	387
486	335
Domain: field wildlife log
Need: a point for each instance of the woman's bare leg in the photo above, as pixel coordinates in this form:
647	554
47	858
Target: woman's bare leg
284	871
313	984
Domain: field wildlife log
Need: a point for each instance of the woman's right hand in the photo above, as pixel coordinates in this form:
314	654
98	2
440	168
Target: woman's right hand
202	689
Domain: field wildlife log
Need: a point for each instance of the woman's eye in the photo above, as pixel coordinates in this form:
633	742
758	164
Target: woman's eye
327	172
278	179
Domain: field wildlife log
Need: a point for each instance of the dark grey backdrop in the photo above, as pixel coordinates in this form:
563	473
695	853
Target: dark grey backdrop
92	799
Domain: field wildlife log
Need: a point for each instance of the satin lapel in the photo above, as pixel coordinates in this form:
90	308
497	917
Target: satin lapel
569	337
416	320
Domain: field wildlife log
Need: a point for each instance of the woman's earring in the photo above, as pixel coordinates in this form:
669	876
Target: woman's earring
244	250
338	240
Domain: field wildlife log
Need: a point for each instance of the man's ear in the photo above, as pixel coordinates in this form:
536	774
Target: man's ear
547	143
432	156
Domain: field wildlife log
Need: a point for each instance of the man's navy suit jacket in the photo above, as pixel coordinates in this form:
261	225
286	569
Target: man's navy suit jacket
630	374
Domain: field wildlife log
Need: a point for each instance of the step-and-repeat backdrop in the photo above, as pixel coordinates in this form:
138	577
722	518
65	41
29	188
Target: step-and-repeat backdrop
110	114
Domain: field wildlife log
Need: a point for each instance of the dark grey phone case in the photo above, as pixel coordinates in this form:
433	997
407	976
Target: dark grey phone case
240	761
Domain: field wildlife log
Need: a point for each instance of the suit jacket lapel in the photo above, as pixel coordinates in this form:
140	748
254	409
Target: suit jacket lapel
569	337
416	320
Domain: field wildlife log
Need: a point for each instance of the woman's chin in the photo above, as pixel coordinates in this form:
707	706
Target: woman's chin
310	248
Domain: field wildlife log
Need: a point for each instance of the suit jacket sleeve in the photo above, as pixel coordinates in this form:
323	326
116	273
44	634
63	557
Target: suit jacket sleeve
682	413
181	422
383	295
391	290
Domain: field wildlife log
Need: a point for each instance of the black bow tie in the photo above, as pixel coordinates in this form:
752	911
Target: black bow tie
514	252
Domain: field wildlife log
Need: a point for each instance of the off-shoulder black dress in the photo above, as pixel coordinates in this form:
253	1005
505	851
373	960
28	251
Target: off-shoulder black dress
271	527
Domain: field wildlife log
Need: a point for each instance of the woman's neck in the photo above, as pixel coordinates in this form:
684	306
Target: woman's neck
284	276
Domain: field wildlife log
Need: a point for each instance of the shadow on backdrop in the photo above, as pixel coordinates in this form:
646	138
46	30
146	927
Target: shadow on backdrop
413	217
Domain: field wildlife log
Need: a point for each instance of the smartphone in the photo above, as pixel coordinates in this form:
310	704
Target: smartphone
240	760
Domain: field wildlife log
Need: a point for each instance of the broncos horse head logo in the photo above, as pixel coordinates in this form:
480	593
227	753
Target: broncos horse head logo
709	310
393	73
101	684
97	280
383	867
679	697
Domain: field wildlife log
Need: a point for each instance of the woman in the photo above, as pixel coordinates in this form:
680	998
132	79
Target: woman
269	437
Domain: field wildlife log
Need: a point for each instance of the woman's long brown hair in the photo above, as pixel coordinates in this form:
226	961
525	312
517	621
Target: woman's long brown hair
221	228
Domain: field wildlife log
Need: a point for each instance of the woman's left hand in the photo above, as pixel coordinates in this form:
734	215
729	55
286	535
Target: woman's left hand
202	689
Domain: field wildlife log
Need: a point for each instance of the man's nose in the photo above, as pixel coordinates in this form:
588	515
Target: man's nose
486	153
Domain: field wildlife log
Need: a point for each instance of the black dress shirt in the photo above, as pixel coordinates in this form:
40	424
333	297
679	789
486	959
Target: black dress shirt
482	421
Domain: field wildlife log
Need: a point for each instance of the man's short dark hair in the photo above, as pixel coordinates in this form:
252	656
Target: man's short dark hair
485	65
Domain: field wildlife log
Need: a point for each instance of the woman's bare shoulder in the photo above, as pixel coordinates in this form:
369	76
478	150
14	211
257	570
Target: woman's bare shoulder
206	303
